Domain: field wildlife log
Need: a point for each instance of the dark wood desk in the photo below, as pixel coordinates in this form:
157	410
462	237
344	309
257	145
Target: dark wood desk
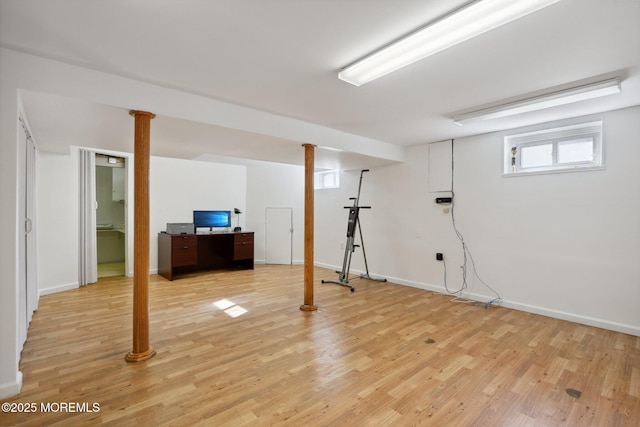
185	253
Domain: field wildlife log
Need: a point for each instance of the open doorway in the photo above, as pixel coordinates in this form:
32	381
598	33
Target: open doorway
110	215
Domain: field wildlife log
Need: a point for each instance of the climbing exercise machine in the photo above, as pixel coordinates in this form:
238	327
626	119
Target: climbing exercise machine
352	223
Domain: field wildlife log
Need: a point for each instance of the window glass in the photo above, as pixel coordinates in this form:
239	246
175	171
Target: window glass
327	179
571	147
536	155
575	150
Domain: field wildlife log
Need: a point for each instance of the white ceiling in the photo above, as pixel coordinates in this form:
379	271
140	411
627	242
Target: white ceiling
282	57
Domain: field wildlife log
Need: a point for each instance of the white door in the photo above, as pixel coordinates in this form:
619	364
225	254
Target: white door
28	285
278	235
30	238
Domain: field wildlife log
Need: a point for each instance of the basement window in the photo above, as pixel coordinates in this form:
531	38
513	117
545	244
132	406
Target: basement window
326	179
560	149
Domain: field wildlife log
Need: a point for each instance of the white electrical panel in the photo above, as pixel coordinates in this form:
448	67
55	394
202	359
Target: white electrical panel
440	166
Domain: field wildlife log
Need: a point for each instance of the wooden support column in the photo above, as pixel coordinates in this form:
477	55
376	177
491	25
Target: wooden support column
141	349
308	228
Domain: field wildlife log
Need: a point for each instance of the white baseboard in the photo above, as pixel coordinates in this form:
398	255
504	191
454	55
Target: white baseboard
12	388
263	262
59	288
330	267
576	318
543	311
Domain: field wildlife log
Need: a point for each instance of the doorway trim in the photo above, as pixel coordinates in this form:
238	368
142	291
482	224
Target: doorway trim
128	215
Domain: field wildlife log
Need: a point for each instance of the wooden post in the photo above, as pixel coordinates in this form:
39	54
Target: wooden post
308	228
141	349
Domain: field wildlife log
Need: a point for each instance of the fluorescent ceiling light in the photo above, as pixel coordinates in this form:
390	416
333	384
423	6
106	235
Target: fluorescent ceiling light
469	21
567	96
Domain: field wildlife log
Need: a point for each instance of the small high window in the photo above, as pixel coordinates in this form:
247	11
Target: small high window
327	179
573	147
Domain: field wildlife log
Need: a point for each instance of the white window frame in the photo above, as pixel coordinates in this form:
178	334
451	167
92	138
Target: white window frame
555	136
326	179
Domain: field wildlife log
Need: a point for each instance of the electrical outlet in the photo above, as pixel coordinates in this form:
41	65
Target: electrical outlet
439	256
342	246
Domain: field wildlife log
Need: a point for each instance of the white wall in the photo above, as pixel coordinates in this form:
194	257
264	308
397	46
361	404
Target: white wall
177	187
57	220
10	167
275	186
553	266
399	229
565	245
20	71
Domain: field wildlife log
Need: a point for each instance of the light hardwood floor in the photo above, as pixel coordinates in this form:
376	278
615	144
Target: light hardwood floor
109	269
383	355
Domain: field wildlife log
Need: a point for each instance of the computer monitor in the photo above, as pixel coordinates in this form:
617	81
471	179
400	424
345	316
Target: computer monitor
211	219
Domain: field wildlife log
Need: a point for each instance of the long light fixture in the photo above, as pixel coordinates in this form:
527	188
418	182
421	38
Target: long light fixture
471	20
567	96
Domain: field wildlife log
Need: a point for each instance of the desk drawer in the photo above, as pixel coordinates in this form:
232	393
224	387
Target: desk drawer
243	237
242	246
184	250
243	250
184	255
184	240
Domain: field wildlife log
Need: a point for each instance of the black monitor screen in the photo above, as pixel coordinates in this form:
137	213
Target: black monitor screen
211	219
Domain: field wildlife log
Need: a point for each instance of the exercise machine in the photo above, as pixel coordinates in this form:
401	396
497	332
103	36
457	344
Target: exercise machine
353	223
